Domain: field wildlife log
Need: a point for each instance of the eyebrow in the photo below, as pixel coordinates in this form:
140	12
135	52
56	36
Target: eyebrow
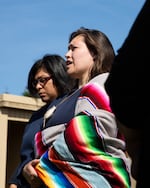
69	46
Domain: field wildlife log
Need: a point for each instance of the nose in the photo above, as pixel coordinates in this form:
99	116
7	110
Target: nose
38	86
67	55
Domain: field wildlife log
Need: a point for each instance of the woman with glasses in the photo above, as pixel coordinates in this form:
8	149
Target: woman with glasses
48	80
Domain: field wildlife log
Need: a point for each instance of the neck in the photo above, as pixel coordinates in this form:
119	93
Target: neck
82	82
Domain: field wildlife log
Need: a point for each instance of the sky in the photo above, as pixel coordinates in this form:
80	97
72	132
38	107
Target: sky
30	29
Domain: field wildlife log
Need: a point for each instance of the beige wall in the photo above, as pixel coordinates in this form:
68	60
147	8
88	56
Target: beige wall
3	148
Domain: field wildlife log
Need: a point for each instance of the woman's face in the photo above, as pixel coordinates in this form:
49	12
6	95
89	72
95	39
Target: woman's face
79	60
44	86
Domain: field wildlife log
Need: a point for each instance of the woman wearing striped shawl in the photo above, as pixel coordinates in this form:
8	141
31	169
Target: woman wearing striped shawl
90	151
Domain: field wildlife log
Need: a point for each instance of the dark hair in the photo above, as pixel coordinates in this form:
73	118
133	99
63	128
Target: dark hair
100	48
55	65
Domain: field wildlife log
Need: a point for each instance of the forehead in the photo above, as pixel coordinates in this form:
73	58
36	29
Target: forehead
77	40
41	71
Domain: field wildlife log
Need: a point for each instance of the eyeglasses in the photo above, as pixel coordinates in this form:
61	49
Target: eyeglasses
41	81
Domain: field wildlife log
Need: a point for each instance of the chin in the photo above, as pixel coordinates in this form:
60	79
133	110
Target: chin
69	72
44	99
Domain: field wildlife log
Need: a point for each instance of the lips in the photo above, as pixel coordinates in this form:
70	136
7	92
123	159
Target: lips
68	62
41	95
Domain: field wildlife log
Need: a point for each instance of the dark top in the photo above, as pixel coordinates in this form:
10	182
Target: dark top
127	86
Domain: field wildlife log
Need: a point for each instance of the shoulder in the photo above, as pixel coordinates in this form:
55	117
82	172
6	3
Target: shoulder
39	113
96	85
95	92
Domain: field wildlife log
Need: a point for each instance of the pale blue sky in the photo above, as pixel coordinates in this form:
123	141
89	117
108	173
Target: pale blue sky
31	28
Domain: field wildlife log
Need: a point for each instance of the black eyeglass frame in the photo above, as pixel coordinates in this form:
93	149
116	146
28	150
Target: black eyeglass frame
42	81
